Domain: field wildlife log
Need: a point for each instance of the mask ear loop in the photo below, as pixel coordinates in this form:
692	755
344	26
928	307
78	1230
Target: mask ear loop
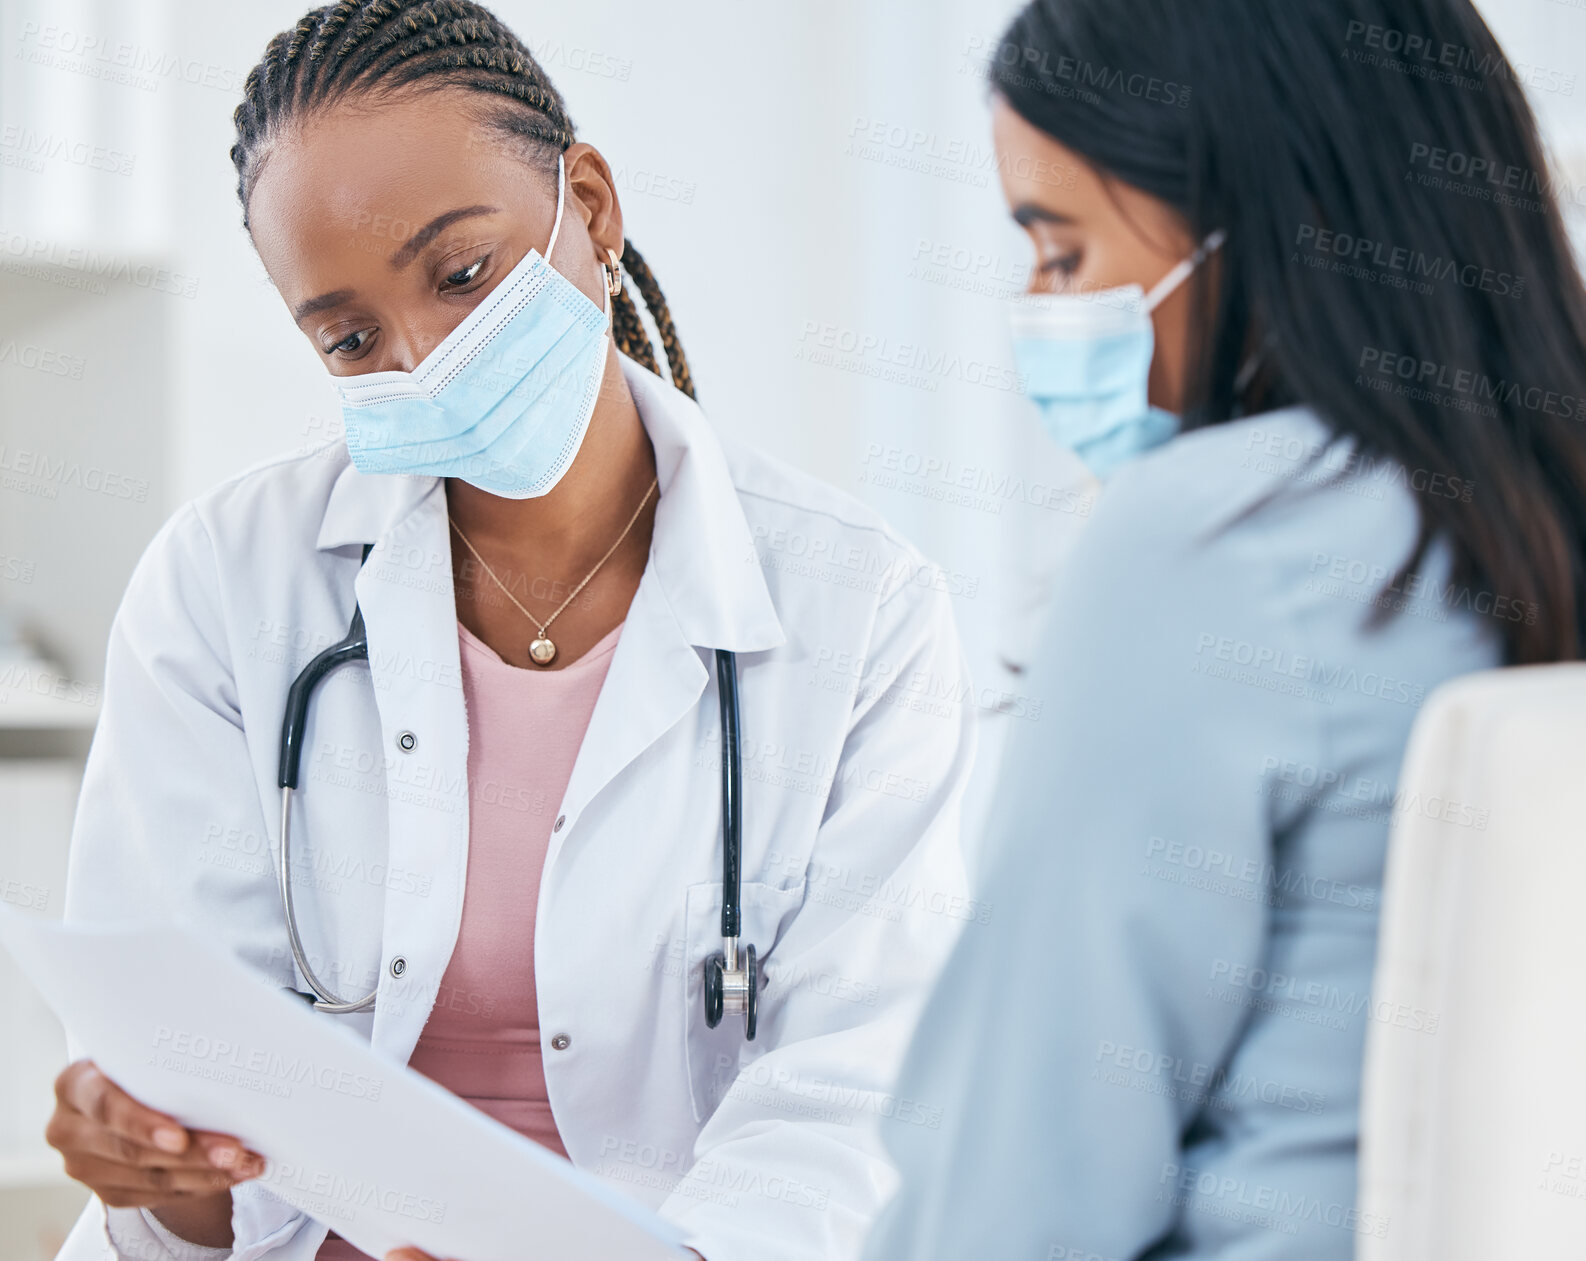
1181	272
561	198
556	228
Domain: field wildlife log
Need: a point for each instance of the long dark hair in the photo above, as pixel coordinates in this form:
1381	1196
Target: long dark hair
1391	224
361	46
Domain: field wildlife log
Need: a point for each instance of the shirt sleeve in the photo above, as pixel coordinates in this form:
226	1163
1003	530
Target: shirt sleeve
137	1234
1141	742
169	744
790	1164
170	821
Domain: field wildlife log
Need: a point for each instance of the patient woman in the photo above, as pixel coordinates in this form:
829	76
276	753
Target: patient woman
1335	390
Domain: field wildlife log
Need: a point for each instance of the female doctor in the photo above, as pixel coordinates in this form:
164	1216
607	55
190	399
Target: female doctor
512	833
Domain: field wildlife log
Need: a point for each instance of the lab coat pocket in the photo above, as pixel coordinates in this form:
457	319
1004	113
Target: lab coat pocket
714	1055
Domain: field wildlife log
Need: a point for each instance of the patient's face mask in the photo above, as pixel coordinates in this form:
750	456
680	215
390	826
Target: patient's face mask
1087	358
505	400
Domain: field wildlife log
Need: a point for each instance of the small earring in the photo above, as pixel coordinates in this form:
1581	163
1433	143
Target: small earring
613	273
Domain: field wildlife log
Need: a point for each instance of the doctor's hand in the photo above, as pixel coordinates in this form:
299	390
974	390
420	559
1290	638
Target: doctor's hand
133	1157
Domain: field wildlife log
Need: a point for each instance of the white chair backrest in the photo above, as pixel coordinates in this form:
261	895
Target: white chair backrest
1473	1117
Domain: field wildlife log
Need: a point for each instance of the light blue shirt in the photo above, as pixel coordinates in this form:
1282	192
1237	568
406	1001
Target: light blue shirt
1152	1045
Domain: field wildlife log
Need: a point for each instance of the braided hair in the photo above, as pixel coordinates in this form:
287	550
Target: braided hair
367	46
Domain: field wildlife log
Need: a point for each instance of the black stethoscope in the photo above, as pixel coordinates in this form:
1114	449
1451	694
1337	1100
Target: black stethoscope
731	977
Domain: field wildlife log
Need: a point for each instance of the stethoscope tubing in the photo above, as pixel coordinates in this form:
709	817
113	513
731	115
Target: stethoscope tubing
731	799
730	985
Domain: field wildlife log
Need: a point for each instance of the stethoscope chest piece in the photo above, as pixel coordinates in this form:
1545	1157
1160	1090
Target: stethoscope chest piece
731	988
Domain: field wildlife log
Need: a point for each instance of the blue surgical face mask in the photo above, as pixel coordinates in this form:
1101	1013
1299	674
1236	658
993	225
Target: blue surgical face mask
504	401
1086	360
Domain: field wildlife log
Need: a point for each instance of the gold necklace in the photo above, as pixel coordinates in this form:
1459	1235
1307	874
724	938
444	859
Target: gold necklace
542	651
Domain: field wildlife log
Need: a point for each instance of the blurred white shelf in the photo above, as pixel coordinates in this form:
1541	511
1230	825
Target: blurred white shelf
37	796
25	706
34	1169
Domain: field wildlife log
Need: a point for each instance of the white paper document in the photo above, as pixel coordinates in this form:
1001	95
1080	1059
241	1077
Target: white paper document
382	1154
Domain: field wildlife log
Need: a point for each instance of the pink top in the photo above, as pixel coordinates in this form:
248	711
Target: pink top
482	1041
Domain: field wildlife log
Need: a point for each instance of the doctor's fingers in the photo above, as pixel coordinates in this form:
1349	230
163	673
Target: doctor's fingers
129	1186
82	1141
93	1113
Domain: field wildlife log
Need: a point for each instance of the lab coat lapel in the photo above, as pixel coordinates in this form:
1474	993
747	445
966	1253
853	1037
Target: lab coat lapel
655	677
702	551
702	589
405	590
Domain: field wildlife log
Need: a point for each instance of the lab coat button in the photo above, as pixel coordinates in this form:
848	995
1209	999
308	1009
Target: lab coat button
406	741
557	826
399	965
561	1042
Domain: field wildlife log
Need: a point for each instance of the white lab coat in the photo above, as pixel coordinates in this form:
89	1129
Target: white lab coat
857	731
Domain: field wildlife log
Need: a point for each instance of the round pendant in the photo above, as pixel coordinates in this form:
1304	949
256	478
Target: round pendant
542	651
